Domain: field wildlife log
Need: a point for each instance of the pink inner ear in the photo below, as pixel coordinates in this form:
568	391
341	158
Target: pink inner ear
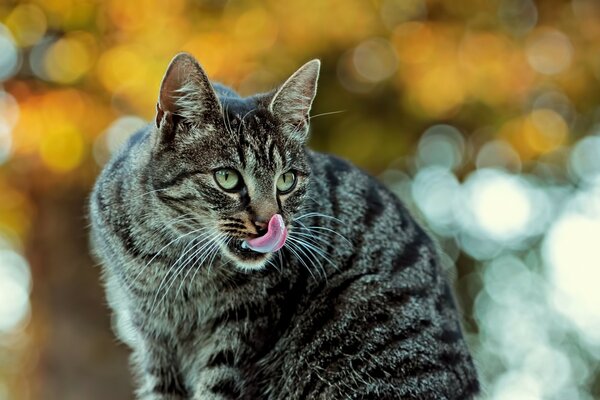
273	240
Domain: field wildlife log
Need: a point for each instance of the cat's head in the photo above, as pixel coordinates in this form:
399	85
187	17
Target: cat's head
233	168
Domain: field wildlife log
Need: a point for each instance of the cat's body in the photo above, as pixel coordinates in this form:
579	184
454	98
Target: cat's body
360	310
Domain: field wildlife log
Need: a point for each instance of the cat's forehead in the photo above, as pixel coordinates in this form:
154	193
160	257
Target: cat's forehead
253	132
250	138
246	115
237	107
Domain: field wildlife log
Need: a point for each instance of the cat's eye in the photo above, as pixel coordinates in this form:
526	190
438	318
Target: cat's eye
286	182
229	179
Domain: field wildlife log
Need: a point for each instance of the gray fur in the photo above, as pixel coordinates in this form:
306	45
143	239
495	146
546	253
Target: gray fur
354	306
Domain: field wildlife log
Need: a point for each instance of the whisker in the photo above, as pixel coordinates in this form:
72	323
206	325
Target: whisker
318	238
326	113
242	120
310	236
198	263
313	247
149	192
322	228
197	247
219	242
316	214
134	197
170	273
313	200
159	252
227	120
198	267
280	254
273	264
301	247
291	246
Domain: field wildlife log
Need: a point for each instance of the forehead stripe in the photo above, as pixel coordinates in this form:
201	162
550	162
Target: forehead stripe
271	153
241	154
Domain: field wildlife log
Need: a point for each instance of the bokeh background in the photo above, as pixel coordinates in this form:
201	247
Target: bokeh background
483	115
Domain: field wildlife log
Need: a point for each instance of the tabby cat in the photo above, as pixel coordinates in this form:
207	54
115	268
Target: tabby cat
241	265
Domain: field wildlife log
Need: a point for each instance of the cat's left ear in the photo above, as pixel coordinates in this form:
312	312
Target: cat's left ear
293	100
186	91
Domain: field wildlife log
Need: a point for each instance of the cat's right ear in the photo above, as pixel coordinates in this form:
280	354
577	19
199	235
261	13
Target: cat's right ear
291	103
185	92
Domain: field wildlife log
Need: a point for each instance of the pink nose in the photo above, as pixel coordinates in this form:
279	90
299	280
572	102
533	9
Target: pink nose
273	239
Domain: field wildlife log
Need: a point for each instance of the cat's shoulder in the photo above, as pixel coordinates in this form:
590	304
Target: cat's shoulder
325	161
358	185
349	173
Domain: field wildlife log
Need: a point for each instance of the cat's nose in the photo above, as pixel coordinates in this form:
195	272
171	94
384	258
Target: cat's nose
262	213
261	226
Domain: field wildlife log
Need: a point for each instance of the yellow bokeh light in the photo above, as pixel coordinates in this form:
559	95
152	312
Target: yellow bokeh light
62	107
549	51
28	24
254	25
61	7
127	15
486	59
212	51
16	210
540	132
545	130
120	66
414	42
69	58
131	16
62	149
29	128
439	91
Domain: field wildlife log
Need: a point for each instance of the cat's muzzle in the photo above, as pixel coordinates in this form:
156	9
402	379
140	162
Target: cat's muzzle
272	240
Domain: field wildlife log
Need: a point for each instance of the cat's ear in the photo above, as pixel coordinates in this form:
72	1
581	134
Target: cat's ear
293	100
185	92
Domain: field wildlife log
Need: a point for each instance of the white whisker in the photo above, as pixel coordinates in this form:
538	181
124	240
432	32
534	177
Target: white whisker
197	247
316	214
310	236
196	265
313	247
178	238
322	228
291	246
308	253
326	113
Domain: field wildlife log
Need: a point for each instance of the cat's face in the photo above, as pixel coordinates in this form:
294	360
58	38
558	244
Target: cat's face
231	164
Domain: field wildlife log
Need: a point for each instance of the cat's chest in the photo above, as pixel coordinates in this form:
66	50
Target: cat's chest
194	311
200	308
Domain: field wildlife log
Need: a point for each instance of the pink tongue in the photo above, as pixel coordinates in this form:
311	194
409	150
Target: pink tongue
271	241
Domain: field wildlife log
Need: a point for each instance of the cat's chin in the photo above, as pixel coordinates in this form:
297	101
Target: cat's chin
245	258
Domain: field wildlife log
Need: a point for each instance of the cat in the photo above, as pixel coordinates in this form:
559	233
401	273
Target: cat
239	264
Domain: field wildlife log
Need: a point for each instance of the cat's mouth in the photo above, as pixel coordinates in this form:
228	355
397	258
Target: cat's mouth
245	257
238	248
255	250
272	240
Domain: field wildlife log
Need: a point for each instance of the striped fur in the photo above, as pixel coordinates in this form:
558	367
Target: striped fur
353	307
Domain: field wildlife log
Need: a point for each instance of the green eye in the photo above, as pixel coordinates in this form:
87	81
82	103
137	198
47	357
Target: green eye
228	179
286	182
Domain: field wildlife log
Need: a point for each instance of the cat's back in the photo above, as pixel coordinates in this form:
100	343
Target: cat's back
361	207
110	202
382	324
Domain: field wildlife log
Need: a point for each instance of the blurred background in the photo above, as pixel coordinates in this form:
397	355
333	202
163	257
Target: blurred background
483	115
